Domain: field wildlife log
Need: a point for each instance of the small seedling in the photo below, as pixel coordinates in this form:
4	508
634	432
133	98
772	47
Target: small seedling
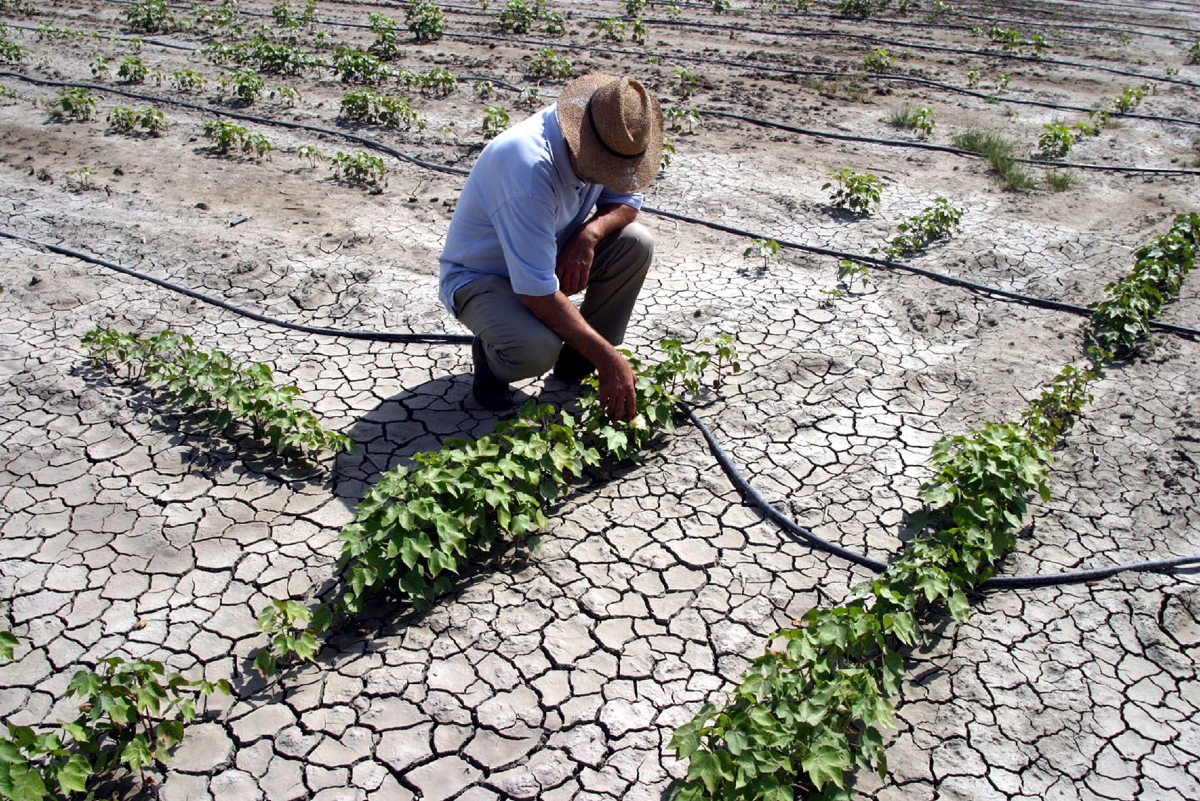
288	94
765	249
683	82
850	270
678	118
914	119
495	121
1060	180
858	193
99	67
73	104
878	61
529	97
612	29
1129	99
519	16
149	120
132	70
972	78
312	153
668	153
360	168
548	64
80	179
1055	142
1002	81
425	21
229	137
484	89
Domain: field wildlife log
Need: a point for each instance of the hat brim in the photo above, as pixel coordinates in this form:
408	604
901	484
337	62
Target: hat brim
593	163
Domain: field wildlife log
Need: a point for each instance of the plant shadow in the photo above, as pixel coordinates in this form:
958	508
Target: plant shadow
211	450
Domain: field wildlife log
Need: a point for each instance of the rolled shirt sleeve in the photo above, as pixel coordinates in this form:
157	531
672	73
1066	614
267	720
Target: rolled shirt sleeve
525	227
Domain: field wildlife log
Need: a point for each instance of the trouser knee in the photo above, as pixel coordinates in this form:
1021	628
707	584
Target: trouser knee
532	356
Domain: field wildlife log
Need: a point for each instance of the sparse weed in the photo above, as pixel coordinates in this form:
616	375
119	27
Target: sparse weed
1060	180
998	152
914	119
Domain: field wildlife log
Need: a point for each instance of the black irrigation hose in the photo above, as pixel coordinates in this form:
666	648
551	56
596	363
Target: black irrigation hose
744	488
942	278
385	336
754	66
958	151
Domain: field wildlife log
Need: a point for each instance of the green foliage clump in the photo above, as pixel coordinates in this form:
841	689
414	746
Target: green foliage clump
273	57
360	168
495	121
151	16
858	193
939	221
132	715
1129	99
548	64
879	61
286	18
356	66
425	21
1056	141
424	523
365	106
387	39
1122	319
73	104
679	118
859	8
149	120
914	119
10	51
519	16
1193	54
247	84
188	80
209	381
132	70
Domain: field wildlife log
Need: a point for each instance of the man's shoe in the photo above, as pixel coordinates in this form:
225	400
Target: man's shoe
490	392
571	366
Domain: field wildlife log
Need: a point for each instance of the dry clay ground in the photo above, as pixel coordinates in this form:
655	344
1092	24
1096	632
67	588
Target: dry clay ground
561	673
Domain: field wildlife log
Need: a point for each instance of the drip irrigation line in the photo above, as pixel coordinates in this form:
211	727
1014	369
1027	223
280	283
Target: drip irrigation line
745	489
935	48
399	154
958	151
941	278
377	336
754	66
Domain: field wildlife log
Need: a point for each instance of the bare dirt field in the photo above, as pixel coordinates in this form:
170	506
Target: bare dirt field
562	673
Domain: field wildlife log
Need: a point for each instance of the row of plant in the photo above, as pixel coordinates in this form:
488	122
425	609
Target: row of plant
209	381
422	525
815	704
131	716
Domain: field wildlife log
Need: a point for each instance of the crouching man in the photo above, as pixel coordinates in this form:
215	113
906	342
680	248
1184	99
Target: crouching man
524	238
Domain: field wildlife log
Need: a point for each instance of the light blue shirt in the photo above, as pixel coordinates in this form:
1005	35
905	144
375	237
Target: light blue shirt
520	203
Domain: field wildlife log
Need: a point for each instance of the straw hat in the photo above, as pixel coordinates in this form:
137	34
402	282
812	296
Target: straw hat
613	127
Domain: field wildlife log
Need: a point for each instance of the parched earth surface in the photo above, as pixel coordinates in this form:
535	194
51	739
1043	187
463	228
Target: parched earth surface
561	672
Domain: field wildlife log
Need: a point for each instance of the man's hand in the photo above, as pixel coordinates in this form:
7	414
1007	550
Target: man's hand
617	394
575	261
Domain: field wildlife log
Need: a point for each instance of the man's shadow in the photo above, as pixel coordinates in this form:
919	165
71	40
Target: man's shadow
420	419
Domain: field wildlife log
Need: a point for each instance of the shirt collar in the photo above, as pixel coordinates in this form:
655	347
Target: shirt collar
559	151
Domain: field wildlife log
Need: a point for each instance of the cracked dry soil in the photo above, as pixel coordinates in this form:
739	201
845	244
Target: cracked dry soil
561	673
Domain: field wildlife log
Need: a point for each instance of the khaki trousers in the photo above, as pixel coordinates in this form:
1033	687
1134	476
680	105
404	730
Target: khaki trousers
518	345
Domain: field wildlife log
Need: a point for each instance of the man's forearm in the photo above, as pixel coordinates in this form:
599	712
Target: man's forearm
561	316
609	219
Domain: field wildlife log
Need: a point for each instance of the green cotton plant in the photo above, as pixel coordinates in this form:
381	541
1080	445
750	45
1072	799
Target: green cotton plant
210	382
495	121
132	715
425	21
812	707
149	120
548	64
365	106
355	66
1122	318
360	168
858	193
73	104
1055	141
939	221
229	137
424	524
